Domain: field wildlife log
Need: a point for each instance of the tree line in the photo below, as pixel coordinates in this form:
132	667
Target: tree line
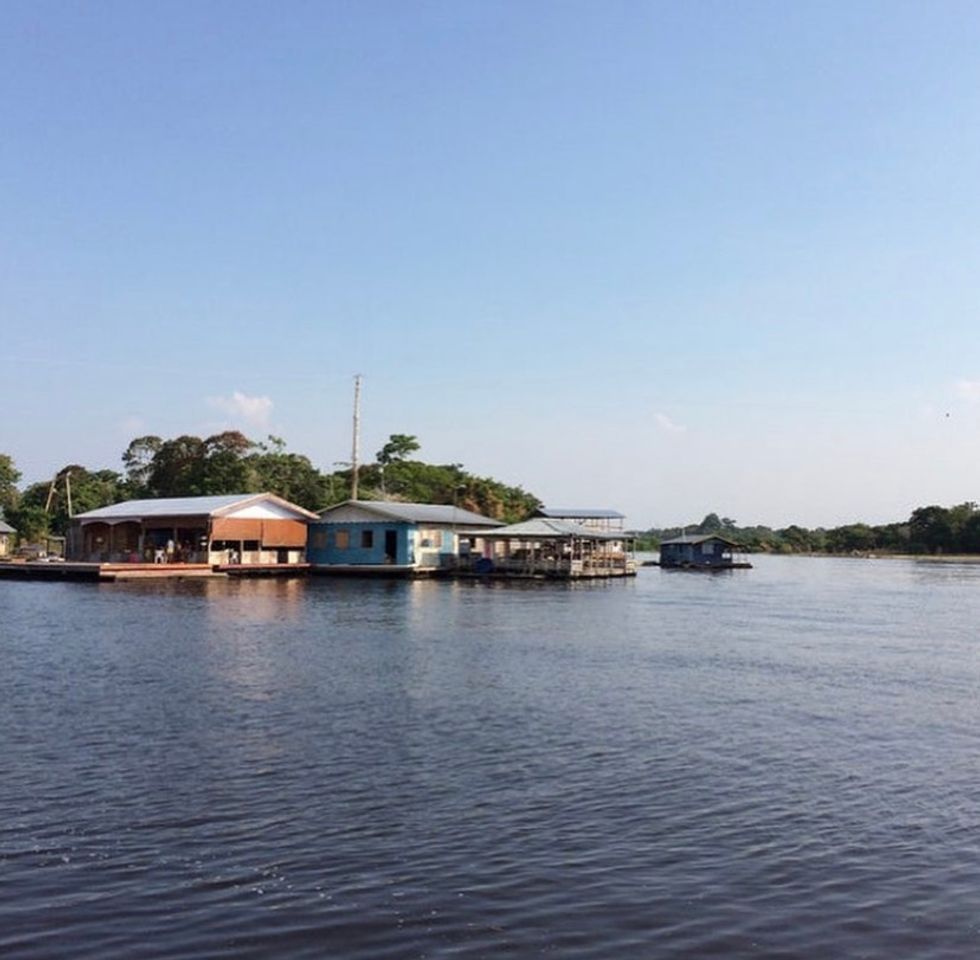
929	530
231	463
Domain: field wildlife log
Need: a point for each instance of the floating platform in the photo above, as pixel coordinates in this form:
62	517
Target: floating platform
263	569
541	575
110	572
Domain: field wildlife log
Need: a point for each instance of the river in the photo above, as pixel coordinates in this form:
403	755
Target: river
782	762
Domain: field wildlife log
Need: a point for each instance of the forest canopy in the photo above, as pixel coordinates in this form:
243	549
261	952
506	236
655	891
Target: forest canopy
229	463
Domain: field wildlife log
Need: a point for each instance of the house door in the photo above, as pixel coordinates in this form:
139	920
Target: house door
391	546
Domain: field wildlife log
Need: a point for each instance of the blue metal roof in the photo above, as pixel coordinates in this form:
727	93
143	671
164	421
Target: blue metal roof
699	538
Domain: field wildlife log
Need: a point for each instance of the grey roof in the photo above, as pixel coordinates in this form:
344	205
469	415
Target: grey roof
6	527
184	507
418	512
579	513
699	538
541	528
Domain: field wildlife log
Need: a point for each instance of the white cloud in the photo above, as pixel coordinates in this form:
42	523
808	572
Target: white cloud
968	390
254	411
668	425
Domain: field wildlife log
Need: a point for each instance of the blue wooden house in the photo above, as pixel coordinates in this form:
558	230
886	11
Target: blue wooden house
701	552
384	536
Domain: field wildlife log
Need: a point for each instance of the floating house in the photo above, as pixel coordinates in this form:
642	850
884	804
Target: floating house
701	552
544	548
7	534
238	530
387	537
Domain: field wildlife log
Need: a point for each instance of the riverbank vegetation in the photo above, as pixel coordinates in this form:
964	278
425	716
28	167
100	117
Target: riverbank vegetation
230	462
929	530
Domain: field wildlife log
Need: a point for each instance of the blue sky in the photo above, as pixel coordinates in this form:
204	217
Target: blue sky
667	257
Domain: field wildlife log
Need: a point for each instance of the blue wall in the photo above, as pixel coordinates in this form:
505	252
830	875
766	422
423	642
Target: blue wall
321	546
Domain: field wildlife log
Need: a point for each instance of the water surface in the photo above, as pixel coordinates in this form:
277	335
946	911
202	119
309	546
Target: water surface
780	762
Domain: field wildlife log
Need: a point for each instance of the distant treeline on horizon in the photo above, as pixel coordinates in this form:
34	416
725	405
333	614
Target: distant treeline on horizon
929	530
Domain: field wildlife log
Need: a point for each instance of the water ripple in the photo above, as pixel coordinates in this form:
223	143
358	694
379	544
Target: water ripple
776	764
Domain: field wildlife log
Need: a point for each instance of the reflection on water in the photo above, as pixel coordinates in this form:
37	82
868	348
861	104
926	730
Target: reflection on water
778	762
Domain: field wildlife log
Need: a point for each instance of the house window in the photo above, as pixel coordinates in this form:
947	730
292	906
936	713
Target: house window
430	538
319	540
341	539
367	539
708	548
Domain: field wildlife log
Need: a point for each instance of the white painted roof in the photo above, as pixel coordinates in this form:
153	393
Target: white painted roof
579	513
541	528
188	507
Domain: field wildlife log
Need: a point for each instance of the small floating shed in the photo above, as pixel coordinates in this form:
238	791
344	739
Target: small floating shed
702	552
543	548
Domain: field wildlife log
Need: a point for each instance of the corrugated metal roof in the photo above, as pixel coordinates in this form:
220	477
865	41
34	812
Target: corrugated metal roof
580	513
183	507
700	538
6	527
541	528
418	512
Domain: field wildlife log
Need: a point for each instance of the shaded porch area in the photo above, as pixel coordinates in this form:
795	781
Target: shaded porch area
547	549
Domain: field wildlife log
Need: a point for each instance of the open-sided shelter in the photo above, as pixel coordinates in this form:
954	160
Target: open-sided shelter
543	547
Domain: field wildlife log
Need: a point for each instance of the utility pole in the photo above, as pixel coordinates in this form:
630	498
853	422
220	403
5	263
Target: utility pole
53	489
357	437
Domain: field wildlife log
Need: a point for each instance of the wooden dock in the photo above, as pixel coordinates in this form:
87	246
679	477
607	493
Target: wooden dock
110	572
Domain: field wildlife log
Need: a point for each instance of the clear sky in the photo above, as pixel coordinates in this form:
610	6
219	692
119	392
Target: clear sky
671	258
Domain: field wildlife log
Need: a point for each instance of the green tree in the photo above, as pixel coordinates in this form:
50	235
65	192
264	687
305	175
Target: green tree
853	538
9	478
398	447
797	539
30	522
177	469
710	524
289	475
138	461
931	529
969	535
226	468
89	491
